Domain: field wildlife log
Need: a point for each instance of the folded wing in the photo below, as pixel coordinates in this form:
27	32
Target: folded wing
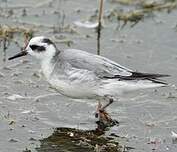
105	68
101	66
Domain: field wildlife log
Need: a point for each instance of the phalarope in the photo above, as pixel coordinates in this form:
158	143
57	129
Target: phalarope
79	74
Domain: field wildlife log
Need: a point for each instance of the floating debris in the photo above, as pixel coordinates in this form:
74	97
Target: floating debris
170	95
154	141
27	111
118	40
126	2
16	74
64	29
24	12
36	75
2	75
31	131
86	24
68	42
11	122
173	135
27	150
32	139
13	140
14	97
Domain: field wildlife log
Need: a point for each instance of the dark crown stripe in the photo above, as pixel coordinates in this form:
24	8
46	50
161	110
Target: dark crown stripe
48	41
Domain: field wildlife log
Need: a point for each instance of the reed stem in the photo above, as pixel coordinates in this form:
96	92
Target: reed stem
99	26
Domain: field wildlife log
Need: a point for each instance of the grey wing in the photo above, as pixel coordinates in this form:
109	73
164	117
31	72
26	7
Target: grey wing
101	66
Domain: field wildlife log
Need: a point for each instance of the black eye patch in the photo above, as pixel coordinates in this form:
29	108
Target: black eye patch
37	48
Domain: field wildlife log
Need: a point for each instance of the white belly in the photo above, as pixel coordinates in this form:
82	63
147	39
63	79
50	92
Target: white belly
69	89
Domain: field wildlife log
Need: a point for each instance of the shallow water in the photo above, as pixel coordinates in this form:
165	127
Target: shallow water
146	118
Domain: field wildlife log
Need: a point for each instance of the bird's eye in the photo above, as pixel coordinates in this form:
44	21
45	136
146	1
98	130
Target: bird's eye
37	48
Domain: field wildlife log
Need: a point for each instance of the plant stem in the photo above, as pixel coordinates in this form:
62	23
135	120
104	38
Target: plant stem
99	26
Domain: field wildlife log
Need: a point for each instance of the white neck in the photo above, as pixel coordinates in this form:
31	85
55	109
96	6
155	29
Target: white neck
46	61
47	68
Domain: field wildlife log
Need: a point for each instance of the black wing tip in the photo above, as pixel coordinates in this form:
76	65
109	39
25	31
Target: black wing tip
148	75
142	76
158	81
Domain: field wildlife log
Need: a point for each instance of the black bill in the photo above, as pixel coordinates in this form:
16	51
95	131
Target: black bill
23	53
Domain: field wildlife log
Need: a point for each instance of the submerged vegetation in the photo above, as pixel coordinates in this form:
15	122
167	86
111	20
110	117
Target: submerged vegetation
139	10
8	34
75	140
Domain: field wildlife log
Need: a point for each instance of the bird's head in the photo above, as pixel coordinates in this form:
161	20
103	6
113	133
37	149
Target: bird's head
40	47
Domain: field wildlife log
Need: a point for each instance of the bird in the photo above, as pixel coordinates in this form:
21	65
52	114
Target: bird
79	74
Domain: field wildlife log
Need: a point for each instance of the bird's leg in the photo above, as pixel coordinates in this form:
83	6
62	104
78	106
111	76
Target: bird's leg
106	105
98	109
105	119
101	112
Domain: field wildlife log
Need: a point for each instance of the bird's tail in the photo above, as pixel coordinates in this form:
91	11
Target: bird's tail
150	76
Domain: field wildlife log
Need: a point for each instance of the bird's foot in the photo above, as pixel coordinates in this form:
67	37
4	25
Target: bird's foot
101	113
105	119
